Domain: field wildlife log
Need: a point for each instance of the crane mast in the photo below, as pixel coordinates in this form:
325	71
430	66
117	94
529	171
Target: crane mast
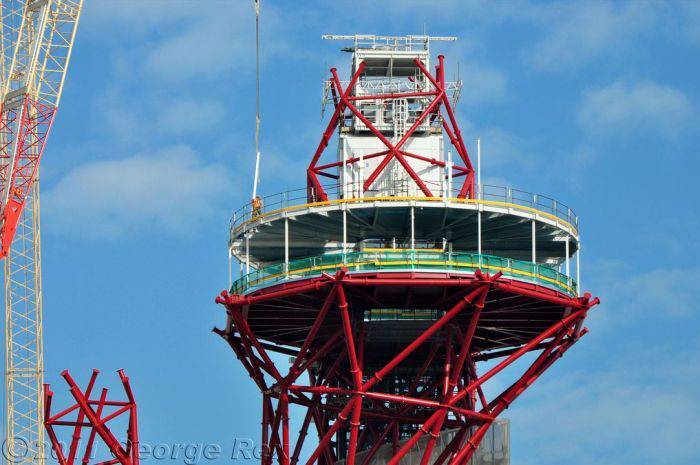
37	40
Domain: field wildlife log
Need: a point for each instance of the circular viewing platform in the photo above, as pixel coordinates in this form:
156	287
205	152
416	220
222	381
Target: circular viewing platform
415	261
502	222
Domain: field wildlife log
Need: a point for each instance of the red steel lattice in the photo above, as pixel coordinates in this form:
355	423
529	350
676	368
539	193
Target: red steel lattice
17	174
356	408
437	98
92	414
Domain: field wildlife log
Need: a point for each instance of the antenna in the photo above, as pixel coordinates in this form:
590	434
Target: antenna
256	3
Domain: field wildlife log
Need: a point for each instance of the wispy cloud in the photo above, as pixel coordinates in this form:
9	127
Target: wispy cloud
641	408
690	12
639	106
188	116
576	34
171	191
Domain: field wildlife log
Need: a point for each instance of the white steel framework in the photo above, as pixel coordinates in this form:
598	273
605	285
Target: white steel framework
37	40
24	343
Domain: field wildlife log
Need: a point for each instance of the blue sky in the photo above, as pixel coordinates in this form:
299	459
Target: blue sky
594	103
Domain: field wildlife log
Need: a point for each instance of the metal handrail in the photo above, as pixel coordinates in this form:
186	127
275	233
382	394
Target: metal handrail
488	193
415	259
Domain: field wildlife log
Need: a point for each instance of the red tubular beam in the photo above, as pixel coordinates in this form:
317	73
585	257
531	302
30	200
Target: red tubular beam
328	133
390	398
349	337
87	417
254	362
422	338
93	433
315	285
243	328
293	370
264	435
543	362
543	293
412	173
302	436
323	443
284	403
456	373
460	395
325	348
479	390
97	424
355	370
432	161
352	160
238	349
544	335
76	432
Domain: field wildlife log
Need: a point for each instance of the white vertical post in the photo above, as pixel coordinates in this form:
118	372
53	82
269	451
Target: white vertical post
413	228
449	175
578	269
345	231
247	254
286	246
478	168
257	172
361	184
479	246
230	269
568	267
534	242
478	195
346	186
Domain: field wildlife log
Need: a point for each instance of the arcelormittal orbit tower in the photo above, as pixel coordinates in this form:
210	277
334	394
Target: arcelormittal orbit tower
395	285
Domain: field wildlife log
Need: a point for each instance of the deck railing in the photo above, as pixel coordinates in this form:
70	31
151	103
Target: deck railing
407	260
401	190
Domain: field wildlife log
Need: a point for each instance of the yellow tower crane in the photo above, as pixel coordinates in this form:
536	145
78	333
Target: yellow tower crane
37	39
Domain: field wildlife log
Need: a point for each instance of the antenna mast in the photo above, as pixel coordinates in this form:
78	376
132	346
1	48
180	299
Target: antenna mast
257	98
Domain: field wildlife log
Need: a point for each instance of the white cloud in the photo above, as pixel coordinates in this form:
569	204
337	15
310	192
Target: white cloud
579	33
187	116
641	106
659	293
646	412
172	190
219	40
133	16
690	11
499	148
482	83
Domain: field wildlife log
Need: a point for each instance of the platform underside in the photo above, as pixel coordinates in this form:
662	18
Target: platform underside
506	230
399	306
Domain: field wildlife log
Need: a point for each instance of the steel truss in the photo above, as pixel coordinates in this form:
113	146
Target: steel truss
36	42
343	99
93	414
355	409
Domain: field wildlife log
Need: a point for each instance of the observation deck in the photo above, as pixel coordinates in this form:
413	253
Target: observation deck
390	287
526	236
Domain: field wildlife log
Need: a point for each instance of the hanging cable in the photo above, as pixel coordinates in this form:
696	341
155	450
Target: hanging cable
256	200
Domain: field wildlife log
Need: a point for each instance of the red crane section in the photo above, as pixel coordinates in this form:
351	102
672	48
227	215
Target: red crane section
20	153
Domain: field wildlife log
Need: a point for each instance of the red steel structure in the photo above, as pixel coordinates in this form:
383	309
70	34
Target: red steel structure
442	360
17	176
437	99
390	350
93	414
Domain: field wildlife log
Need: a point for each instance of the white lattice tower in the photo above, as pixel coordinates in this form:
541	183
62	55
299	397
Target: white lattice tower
37	39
